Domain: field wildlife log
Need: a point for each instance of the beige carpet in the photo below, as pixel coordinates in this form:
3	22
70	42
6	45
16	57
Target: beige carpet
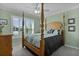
19	51
62	51
66	51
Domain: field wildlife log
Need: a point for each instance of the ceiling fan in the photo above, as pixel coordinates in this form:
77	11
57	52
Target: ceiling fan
37	9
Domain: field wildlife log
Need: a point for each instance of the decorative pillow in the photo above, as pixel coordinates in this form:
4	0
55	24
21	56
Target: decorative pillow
58	32
55	32
50	31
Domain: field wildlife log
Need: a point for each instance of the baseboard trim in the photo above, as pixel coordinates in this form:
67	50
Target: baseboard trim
71	46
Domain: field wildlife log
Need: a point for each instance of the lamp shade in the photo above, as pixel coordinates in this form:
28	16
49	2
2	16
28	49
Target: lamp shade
56	25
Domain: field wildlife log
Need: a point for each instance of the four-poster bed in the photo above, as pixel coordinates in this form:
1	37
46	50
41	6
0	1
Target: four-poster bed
42	50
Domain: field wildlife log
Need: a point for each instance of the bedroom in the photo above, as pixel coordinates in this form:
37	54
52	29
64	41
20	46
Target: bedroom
53	12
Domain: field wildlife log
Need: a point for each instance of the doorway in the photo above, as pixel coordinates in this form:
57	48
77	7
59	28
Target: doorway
17	31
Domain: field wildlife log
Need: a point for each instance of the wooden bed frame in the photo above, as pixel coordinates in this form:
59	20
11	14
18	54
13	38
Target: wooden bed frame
39	51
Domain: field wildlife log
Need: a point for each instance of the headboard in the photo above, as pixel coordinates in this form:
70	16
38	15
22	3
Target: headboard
56	25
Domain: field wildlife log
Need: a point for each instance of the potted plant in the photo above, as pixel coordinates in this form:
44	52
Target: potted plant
3	22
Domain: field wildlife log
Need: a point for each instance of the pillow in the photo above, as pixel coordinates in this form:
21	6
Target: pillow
50	31
58	32
55	32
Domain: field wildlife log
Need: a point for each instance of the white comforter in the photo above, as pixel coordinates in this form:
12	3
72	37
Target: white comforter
35	38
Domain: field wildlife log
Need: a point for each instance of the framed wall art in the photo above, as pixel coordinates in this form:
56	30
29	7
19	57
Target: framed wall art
71	28
3	21
71	21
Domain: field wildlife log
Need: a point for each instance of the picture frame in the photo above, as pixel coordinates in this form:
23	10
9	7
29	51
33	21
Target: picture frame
71	21
3	22
71	28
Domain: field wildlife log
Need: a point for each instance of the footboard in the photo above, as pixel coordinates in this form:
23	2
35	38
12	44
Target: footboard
32	47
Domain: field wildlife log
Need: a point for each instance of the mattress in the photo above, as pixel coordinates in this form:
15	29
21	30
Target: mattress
35	38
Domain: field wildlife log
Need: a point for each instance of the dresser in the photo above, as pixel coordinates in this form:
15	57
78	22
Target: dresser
5	44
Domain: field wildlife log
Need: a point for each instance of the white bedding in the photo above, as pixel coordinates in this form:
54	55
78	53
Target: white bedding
35	38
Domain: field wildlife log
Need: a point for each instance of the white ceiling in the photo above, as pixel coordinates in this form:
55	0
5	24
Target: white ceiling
29	8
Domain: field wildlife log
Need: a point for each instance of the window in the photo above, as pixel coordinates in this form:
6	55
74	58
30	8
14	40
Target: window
15	24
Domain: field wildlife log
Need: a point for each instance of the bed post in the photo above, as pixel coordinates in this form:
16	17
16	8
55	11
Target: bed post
23	30
42	42
63	34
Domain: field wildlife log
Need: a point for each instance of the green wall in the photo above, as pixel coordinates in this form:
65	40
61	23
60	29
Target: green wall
56	17
71	38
